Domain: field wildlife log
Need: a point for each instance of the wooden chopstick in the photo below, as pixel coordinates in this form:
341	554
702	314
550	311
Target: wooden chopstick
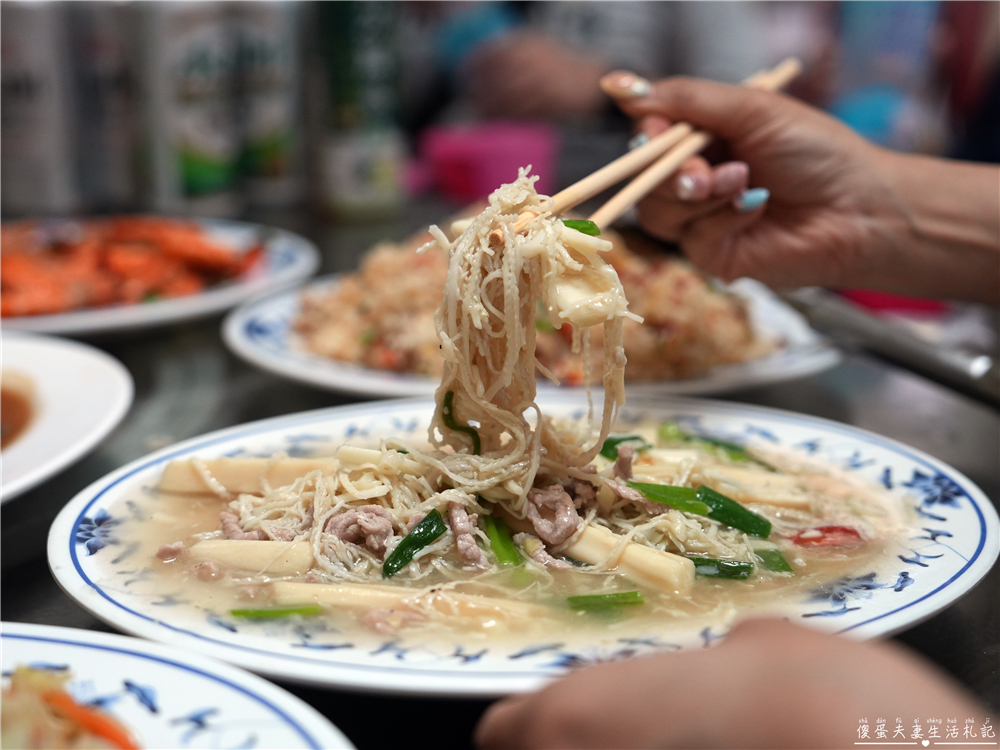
770	80
681	135
613	172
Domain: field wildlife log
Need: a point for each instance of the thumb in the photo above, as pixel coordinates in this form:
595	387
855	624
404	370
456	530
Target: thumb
730	112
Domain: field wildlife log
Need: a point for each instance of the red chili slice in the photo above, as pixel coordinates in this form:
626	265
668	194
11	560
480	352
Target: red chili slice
828	536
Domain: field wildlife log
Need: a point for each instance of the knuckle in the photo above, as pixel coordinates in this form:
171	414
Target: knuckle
681	94
652	224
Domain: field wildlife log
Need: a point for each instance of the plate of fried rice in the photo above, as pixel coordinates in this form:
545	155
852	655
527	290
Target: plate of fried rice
371	332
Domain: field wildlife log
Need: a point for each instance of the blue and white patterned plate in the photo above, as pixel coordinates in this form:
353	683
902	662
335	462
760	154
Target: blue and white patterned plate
950	543
261	332
288	259
167	698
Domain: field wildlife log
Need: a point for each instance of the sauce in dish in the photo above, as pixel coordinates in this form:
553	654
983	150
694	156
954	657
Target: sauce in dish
16	407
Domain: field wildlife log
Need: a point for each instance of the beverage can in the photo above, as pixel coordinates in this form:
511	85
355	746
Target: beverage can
188	78
38	170
269	102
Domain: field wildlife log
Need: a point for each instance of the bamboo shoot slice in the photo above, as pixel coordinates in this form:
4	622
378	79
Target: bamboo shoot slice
637	562
240	474
752	485
371	596
644	565
269	557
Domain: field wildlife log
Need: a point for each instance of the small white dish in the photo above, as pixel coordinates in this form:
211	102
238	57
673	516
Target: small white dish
261	332
167	698
946	549
79	395
288	259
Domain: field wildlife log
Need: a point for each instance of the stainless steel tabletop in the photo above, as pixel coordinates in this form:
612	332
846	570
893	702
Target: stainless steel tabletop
187	383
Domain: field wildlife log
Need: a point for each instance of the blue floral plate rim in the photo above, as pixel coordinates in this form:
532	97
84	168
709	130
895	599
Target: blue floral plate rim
858	607
167	697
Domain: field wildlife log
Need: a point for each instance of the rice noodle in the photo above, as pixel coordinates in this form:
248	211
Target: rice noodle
486	326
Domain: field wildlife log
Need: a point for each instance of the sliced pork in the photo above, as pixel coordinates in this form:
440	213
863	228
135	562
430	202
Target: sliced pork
462	523
623	464
584	493
208	571
170	552
370	524
231	528
537	552
564	516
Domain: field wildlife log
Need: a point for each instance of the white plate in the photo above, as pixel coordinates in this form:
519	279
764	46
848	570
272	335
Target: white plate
288	259
261	333
168	698
949	548
81	394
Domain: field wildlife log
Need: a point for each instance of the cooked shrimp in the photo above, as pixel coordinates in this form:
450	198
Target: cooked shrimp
52	269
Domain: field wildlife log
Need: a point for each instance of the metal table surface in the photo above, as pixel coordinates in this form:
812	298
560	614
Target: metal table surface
187	383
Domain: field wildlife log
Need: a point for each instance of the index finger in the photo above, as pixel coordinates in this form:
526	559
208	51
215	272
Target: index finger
730	112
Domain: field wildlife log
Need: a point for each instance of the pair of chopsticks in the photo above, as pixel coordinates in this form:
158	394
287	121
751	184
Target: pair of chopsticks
666	152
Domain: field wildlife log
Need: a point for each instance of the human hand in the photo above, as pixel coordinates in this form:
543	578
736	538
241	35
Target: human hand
827	206
529	75
769	684
842	212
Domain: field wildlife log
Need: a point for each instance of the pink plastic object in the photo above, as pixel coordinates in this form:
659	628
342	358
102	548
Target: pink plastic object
468	162
886	302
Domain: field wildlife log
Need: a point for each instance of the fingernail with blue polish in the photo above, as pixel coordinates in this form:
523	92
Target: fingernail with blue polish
751	200
639	139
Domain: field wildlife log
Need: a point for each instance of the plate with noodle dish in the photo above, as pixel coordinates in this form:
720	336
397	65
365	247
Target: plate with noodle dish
494	537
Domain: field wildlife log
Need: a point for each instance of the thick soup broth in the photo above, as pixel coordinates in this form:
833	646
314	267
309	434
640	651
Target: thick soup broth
825	526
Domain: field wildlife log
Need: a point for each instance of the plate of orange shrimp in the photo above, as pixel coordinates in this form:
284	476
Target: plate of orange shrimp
116	273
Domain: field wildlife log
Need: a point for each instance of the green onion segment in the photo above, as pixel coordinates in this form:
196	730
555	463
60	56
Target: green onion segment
708	566
544	326
772	559
274	613
503	546
584	226
596	602
610	448
448	417
424	533
704	501
671	432
682	498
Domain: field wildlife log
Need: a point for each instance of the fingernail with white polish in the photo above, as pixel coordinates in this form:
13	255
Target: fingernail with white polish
751	200
624	85
640	87
639	139
686	187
